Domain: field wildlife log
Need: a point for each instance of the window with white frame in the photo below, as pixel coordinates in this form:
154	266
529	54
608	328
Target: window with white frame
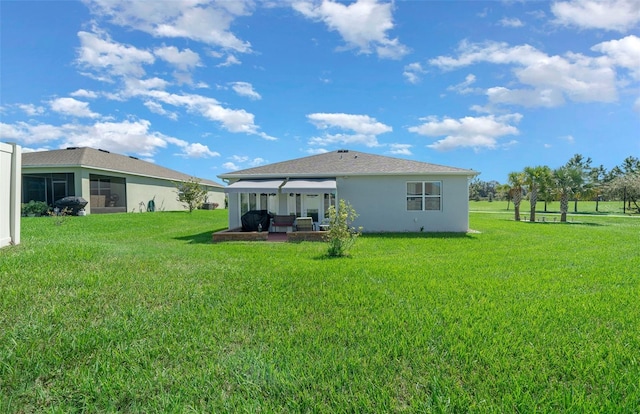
424	195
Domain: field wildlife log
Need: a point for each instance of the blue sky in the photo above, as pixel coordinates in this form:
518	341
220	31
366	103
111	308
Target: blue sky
208	87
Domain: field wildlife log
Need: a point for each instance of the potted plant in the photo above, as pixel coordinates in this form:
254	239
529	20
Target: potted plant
35	208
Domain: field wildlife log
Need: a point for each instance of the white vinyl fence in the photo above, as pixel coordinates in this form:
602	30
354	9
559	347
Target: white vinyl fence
10	192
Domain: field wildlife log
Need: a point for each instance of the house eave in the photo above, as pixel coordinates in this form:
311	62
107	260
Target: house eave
109	170
232	176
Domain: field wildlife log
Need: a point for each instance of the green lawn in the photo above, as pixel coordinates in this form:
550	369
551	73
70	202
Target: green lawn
141	313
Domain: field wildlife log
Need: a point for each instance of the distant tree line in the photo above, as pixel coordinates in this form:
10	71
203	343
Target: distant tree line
576	180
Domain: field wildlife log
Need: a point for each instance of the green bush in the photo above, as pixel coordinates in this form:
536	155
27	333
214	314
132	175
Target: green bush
341	236
37	208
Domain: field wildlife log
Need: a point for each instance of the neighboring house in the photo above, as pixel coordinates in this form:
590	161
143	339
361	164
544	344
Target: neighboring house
111	183
388	194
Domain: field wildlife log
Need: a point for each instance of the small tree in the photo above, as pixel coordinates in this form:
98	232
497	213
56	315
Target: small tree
341	236
191	193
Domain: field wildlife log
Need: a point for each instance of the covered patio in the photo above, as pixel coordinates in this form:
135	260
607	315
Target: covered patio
292	204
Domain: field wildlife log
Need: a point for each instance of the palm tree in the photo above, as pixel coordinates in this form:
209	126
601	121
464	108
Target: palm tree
567	182
583	186
597	177
516	181
534	179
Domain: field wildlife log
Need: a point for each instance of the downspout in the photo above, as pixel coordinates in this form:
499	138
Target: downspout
282	185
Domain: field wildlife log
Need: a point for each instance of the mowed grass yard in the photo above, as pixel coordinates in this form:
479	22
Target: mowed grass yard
141	313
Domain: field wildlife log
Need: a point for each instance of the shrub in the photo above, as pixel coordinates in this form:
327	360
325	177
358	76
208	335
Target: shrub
191	193
36	208
341	236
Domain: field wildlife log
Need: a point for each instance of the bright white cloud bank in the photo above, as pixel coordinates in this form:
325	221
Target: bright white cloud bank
472	132
204	21
618	15
550	80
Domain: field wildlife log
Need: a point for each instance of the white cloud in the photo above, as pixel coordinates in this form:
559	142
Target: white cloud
473	132
245	89
242	161
203	21
156	108
548	80
361	129
29	133
183	60
363	25
72	107
624	53
132	137
361	124
547	97
31	109
233	120
239	158
510	22
413	71
197	150
83	93
229	61
257	162
616	15
230	166
106	58
464	87
400	149
636	105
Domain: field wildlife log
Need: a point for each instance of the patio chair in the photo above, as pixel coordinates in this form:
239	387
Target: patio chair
283	221
304	224
324	224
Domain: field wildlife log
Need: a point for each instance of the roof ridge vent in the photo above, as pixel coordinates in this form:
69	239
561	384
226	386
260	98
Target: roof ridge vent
135	158
103	150
340	151
72	148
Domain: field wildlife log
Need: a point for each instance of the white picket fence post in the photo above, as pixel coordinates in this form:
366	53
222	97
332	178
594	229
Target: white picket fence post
10	193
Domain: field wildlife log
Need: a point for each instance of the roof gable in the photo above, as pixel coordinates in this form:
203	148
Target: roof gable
104	160
345	163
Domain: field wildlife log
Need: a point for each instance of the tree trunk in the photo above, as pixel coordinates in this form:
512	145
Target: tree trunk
517	197
564	207
533	198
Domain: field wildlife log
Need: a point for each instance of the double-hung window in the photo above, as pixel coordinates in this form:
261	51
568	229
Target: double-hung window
424	195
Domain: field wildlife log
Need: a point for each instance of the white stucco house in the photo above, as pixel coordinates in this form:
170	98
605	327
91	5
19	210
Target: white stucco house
389	194
111	183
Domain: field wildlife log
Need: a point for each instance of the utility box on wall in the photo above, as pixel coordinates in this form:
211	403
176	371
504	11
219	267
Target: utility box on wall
10	193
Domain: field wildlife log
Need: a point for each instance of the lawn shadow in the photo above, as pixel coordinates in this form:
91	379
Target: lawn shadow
200	238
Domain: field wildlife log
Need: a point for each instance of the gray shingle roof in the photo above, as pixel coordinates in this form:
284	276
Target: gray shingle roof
344	163
103	160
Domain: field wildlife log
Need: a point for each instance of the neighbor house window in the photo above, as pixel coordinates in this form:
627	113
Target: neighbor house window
424	195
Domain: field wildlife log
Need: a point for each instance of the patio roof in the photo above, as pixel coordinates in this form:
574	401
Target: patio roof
309	186
283	185
250	186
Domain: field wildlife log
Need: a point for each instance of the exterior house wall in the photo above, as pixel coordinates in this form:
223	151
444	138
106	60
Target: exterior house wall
234	211
10	193
381	204
142	189
139	189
